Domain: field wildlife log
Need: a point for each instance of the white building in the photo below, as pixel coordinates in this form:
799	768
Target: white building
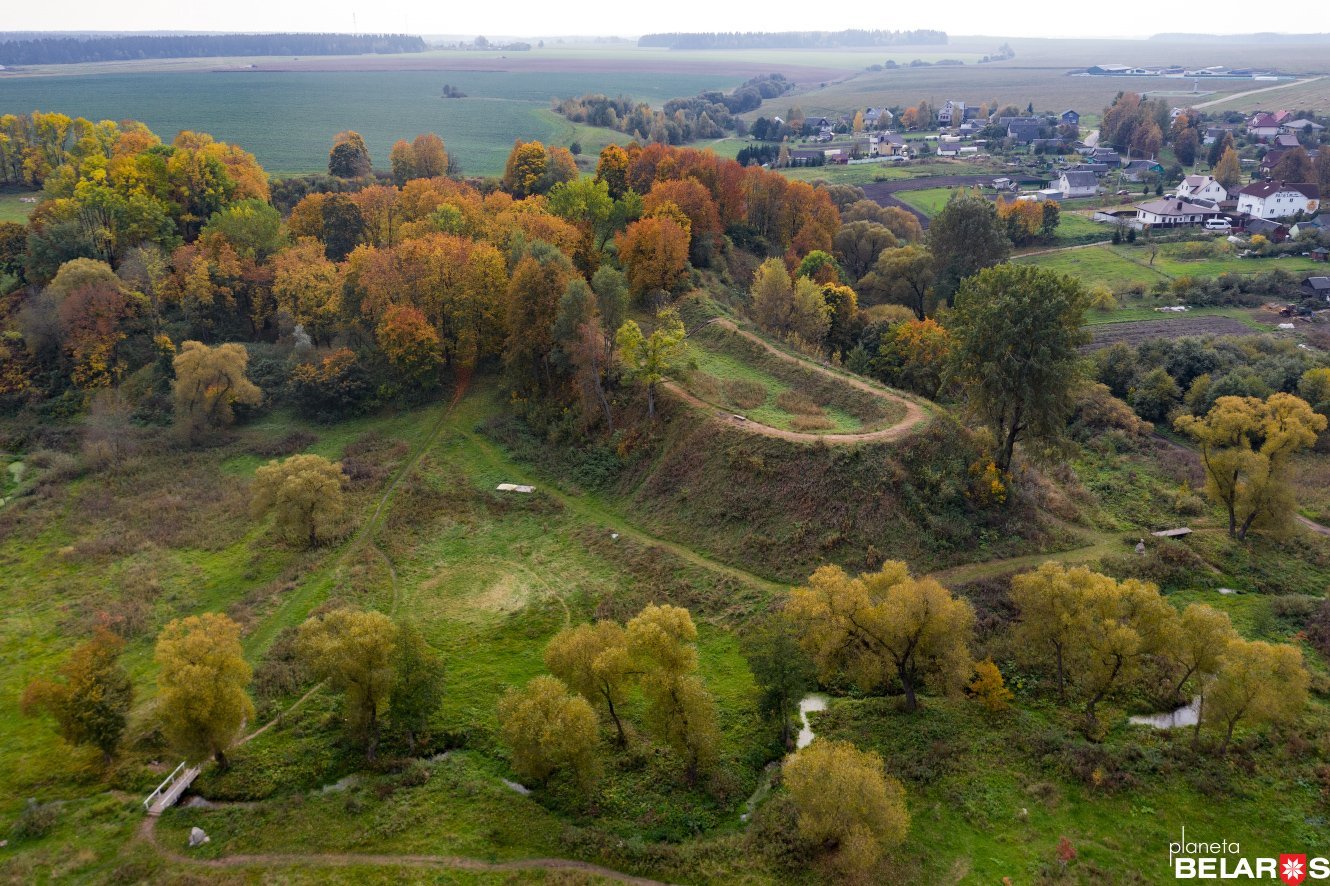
1271	200
1077	184
1202	186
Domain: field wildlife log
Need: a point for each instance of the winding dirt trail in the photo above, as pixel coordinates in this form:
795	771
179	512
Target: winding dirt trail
914	413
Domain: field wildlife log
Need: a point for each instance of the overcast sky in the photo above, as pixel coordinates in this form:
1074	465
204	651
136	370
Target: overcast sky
1032	18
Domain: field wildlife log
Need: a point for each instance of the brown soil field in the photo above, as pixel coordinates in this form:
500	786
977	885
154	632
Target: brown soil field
1137	331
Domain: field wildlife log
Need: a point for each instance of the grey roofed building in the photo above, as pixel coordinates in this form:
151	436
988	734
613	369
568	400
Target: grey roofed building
1025	129
1317	286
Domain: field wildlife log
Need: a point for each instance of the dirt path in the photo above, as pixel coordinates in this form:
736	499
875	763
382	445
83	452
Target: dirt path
1237	95
1062	249
148	832
914	413
1104	543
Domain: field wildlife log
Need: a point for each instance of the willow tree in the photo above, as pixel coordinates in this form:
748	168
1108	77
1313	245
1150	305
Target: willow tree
305	493
884	625
593	660
201	685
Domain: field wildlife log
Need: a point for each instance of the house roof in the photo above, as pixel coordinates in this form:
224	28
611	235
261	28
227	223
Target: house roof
1096	168
1142	164
1261	190
1263	226
1287	140
1081	179
1302	123
1318	284
1263	121
1320	250
1198	181
1174	206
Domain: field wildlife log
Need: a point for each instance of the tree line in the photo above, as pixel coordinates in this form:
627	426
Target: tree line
74	50
853	37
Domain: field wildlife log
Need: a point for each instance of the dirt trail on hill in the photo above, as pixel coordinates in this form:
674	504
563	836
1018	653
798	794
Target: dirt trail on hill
914	414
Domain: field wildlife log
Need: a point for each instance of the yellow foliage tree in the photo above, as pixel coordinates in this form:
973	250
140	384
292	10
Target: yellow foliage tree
846	802
593	660
208	383
1256	683
201	680
355	652
884	624
1247	445
547	729
989	687
305	492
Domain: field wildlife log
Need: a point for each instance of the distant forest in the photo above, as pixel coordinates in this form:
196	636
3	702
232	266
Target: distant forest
71	50
793	39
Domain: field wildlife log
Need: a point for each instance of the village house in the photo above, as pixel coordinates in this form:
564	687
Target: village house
1270	199
951	114
1140	170
1024	130
878	117
1070	118
1216	131
1285	140
1270	230
1104	155
1316	287
1263	125
1099	169
1202	186
1320	254
1076	184
1170	212
1301	125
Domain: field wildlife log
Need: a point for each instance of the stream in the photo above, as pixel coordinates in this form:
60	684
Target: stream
1187	715
813	701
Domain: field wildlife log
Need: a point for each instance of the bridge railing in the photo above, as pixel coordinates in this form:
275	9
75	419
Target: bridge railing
163	787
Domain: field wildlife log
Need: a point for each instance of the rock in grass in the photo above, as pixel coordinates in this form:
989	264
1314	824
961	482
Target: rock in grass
197	837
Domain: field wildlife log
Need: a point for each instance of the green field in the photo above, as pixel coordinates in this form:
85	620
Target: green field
1123	265
12	208
288	119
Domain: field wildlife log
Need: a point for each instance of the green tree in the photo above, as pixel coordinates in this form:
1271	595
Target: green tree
90	701
847	804
964	238
884	624
343	226
649	359
902	276
547	728
1197	649
356	653
305	492
593	660
1154	395
1247	445
858	245
1017	331
782	670
418	690
201	686
253	227
349	157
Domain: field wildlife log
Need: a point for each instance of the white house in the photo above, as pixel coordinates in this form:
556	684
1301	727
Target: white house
1077	184
1270	200
951	114
1170	212
1202	186
1263	125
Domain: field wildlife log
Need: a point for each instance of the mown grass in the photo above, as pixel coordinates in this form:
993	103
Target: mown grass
1126	264
13	209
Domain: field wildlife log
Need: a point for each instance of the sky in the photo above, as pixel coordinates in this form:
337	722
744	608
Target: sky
1030	18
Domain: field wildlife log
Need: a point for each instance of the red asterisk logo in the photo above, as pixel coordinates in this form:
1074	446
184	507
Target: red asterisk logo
1292	869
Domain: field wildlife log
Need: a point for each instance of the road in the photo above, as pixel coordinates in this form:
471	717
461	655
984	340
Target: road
1228	98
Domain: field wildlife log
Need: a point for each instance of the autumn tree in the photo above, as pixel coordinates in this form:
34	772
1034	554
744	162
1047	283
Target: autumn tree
411	344
902	276
782	670
788	309
417	690
1203	635
654	253
593	660
208	384
305	493
308	287
915	355
1017	333
1102	632
349	157
253	227
355	652
964	238
650	359
662	641
547	728
989	687
91	697
1228	171
1321	167
612	169
847	804
1247	445
201	685
1256	683
884	625
1294	166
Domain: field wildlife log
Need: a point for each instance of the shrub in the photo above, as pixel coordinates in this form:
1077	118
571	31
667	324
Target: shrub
798	403
745	393
36	820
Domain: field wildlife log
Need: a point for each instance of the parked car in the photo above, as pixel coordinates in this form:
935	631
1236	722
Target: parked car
1222	225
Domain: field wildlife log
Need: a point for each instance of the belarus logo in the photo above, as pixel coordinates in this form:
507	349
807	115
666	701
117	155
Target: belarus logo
1292	869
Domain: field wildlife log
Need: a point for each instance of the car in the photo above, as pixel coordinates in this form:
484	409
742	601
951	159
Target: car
1218	224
